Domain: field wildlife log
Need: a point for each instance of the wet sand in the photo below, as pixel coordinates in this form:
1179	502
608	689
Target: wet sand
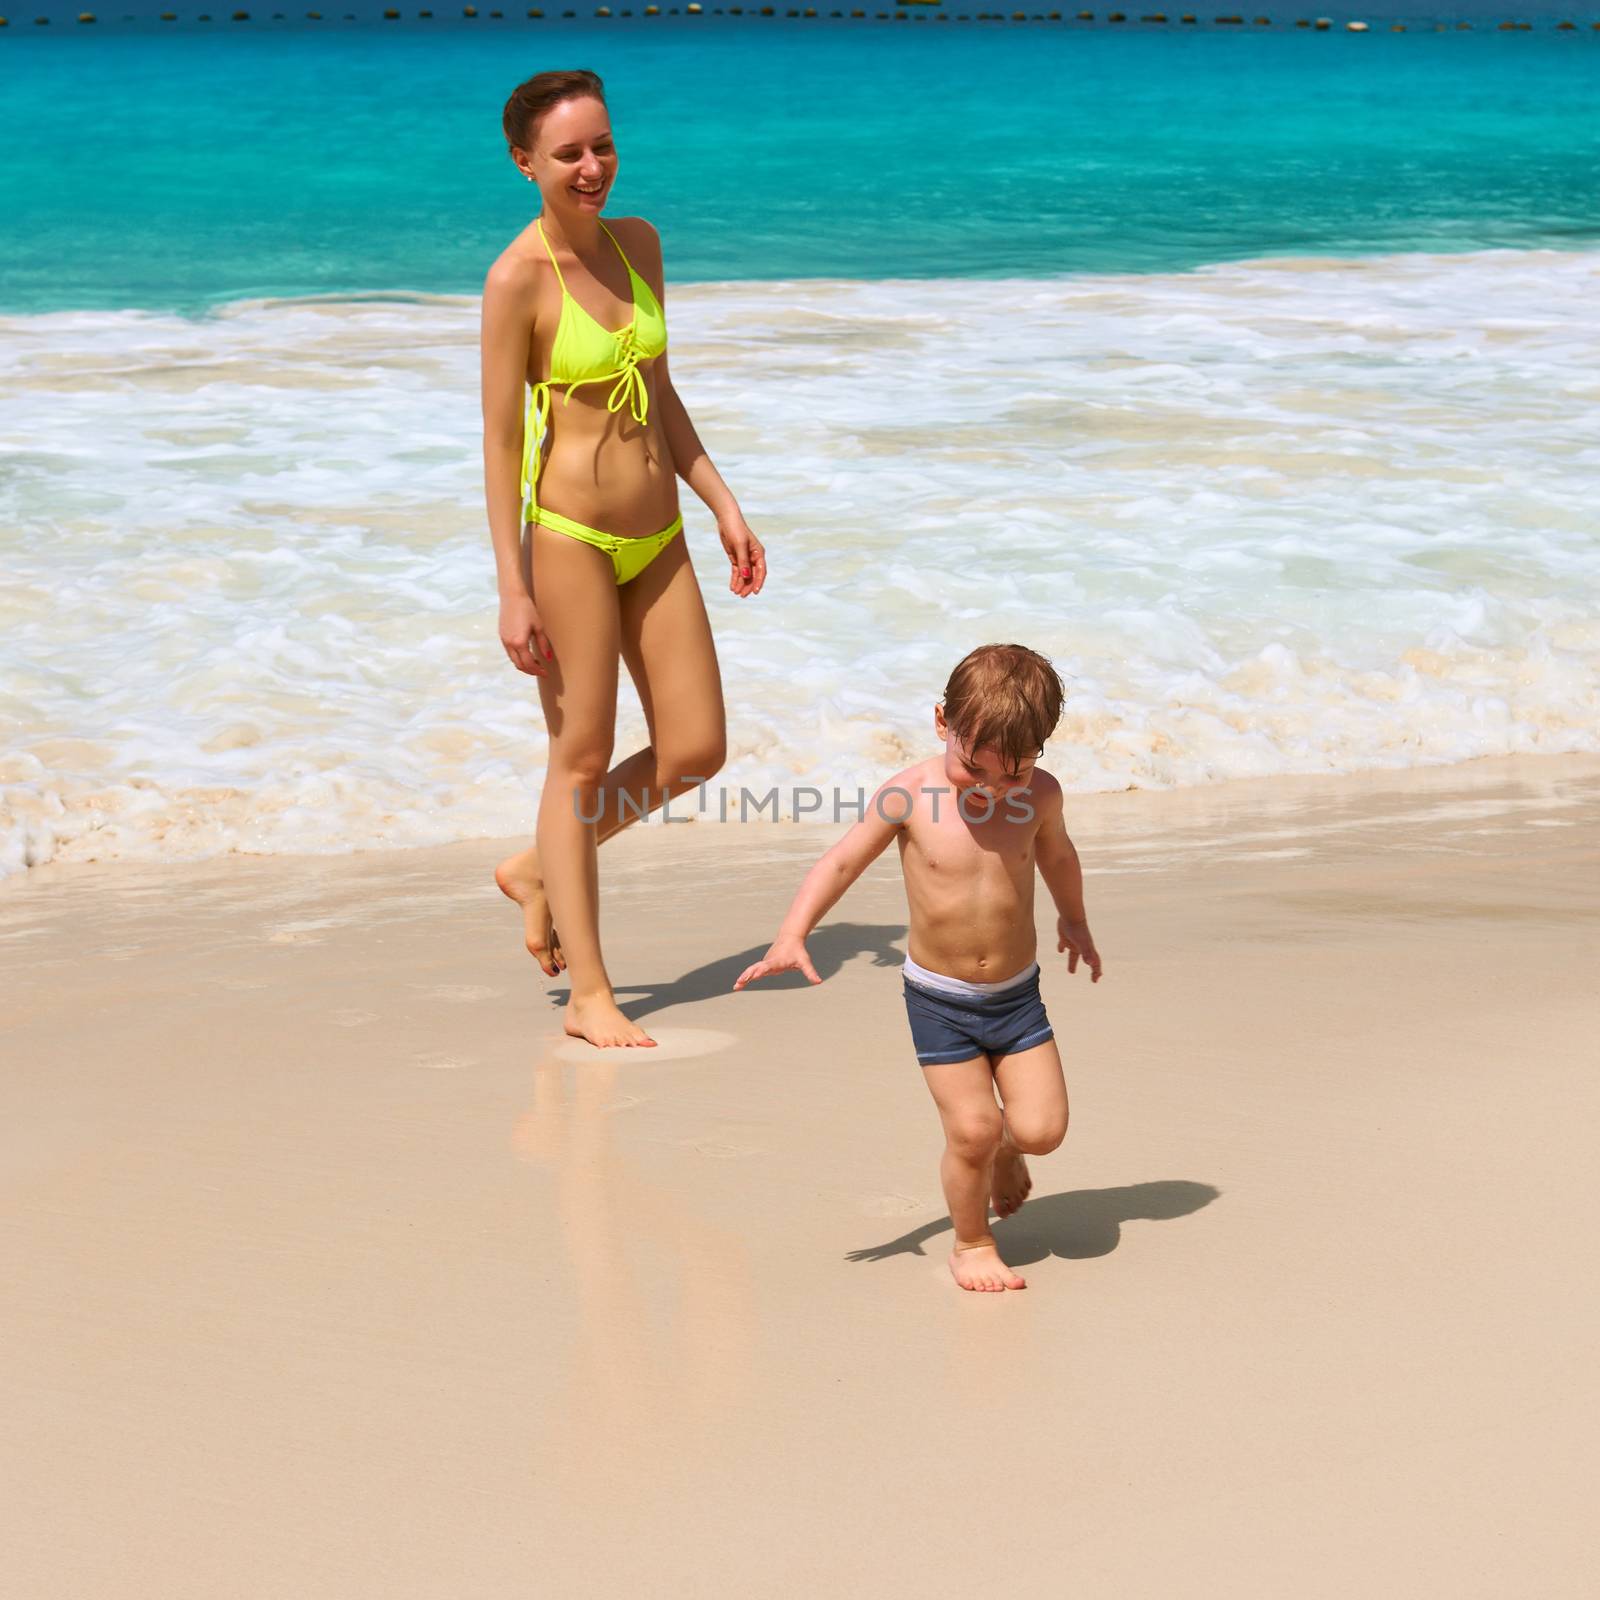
332	1272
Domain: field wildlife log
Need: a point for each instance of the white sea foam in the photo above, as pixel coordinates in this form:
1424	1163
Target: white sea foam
1284	516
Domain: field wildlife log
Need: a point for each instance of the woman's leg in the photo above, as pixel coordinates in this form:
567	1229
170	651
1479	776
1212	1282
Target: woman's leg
672	659
577	595
665	639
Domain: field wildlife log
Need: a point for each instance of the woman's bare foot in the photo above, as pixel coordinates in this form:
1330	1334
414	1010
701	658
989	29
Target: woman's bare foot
598	1019
1012	1181
519	879
978	1266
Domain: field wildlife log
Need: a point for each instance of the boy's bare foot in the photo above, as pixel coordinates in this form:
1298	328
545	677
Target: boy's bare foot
598	1019
1012	1181
519	879
978	1266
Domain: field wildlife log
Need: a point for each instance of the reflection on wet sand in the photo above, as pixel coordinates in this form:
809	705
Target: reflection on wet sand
664	1316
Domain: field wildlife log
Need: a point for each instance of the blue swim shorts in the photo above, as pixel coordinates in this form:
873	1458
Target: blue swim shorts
957	1021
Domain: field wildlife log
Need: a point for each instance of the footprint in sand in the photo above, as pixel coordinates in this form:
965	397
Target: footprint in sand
892	1205
462	992
354	1019
438	1063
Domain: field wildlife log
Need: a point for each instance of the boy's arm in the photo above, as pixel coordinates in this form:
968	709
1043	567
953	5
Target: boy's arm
1063	877
823	887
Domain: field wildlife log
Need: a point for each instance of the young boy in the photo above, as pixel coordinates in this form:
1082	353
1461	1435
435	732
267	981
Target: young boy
972	824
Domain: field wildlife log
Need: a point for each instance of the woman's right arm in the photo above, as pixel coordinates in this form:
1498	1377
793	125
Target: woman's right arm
507	329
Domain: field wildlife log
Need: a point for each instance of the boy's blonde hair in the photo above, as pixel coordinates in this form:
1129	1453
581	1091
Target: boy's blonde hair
1005	696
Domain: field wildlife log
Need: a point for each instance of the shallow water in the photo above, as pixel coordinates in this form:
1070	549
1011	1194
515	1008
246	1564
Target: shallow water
1283	516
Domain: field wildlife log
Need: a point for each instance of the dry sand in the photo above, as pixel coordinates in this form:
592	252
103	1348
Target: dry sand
331	1273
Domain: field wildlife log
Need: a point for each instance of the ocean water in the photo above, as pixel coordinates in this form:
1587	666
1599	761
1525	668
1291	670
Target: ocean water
222	167
1297	473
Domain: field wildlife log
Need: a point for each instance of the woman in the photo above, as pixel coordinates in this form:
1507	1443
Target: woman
583	511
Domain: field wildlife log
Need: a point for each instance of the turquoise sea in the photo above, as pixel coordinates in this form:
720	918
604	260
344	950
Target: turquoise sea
188	169
1252	375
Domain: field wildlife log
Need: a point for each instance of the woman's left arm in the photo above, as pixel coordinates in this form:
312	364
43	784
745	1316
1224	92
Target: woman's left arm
746	555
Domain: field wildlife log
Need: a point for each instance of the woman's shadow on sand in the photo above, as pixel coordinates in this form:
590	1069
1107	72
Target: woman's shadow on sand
830	948
1077	1225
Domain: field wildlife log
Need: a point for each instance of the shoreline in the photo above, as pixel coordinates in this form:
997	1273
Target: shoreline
1305	798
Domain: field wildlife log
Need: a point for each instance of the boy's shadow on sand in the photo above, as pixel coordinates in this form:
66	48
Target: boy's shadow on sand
1076	1225
830	948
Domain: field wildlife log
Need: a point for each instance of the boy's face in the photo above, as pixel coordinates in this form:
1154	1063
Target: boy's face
983	769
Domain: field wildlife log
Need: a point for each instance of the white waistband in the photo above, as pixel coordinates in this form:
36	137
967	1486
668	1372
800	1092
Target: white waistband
959	986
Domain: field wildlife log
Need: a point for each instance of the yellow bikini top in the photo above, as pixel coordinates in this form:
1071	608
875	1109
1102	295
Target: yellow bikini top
586	352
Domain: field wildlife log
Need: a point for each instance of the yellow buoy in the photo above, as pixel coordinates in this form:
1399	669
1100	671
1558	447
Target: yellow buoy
1355	27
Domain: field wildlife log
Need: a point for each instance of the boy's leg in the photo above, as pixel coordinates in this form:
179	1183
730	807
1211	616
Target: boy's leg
1034	1094
964	1094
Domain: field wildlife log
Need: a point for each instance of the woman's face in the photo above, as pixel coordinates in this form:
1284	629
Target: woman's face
573	159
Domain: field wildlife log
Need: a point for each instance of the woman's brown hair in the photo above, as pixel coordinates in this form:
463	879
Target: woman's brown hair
543	91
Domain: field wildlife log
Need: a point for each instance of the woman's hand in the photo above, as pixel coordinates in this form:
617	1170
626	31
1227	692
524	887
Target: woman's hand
745	552
523	635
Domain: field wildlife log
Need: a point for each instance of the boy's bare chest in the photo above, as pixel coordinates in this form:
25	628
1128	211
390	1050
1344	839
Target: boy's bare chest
958	851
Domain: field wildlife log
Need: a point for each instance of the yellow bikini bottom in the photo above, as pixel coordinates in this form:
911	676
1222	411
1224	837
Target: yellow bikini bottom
629	557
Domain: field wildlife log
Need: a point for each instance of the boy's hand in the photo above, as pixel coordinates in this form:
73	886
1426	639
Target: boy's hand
786	955
1076	938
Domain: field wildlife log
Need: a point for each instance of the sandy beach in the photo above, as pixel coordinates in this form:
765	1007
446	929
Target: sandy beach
333	1272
